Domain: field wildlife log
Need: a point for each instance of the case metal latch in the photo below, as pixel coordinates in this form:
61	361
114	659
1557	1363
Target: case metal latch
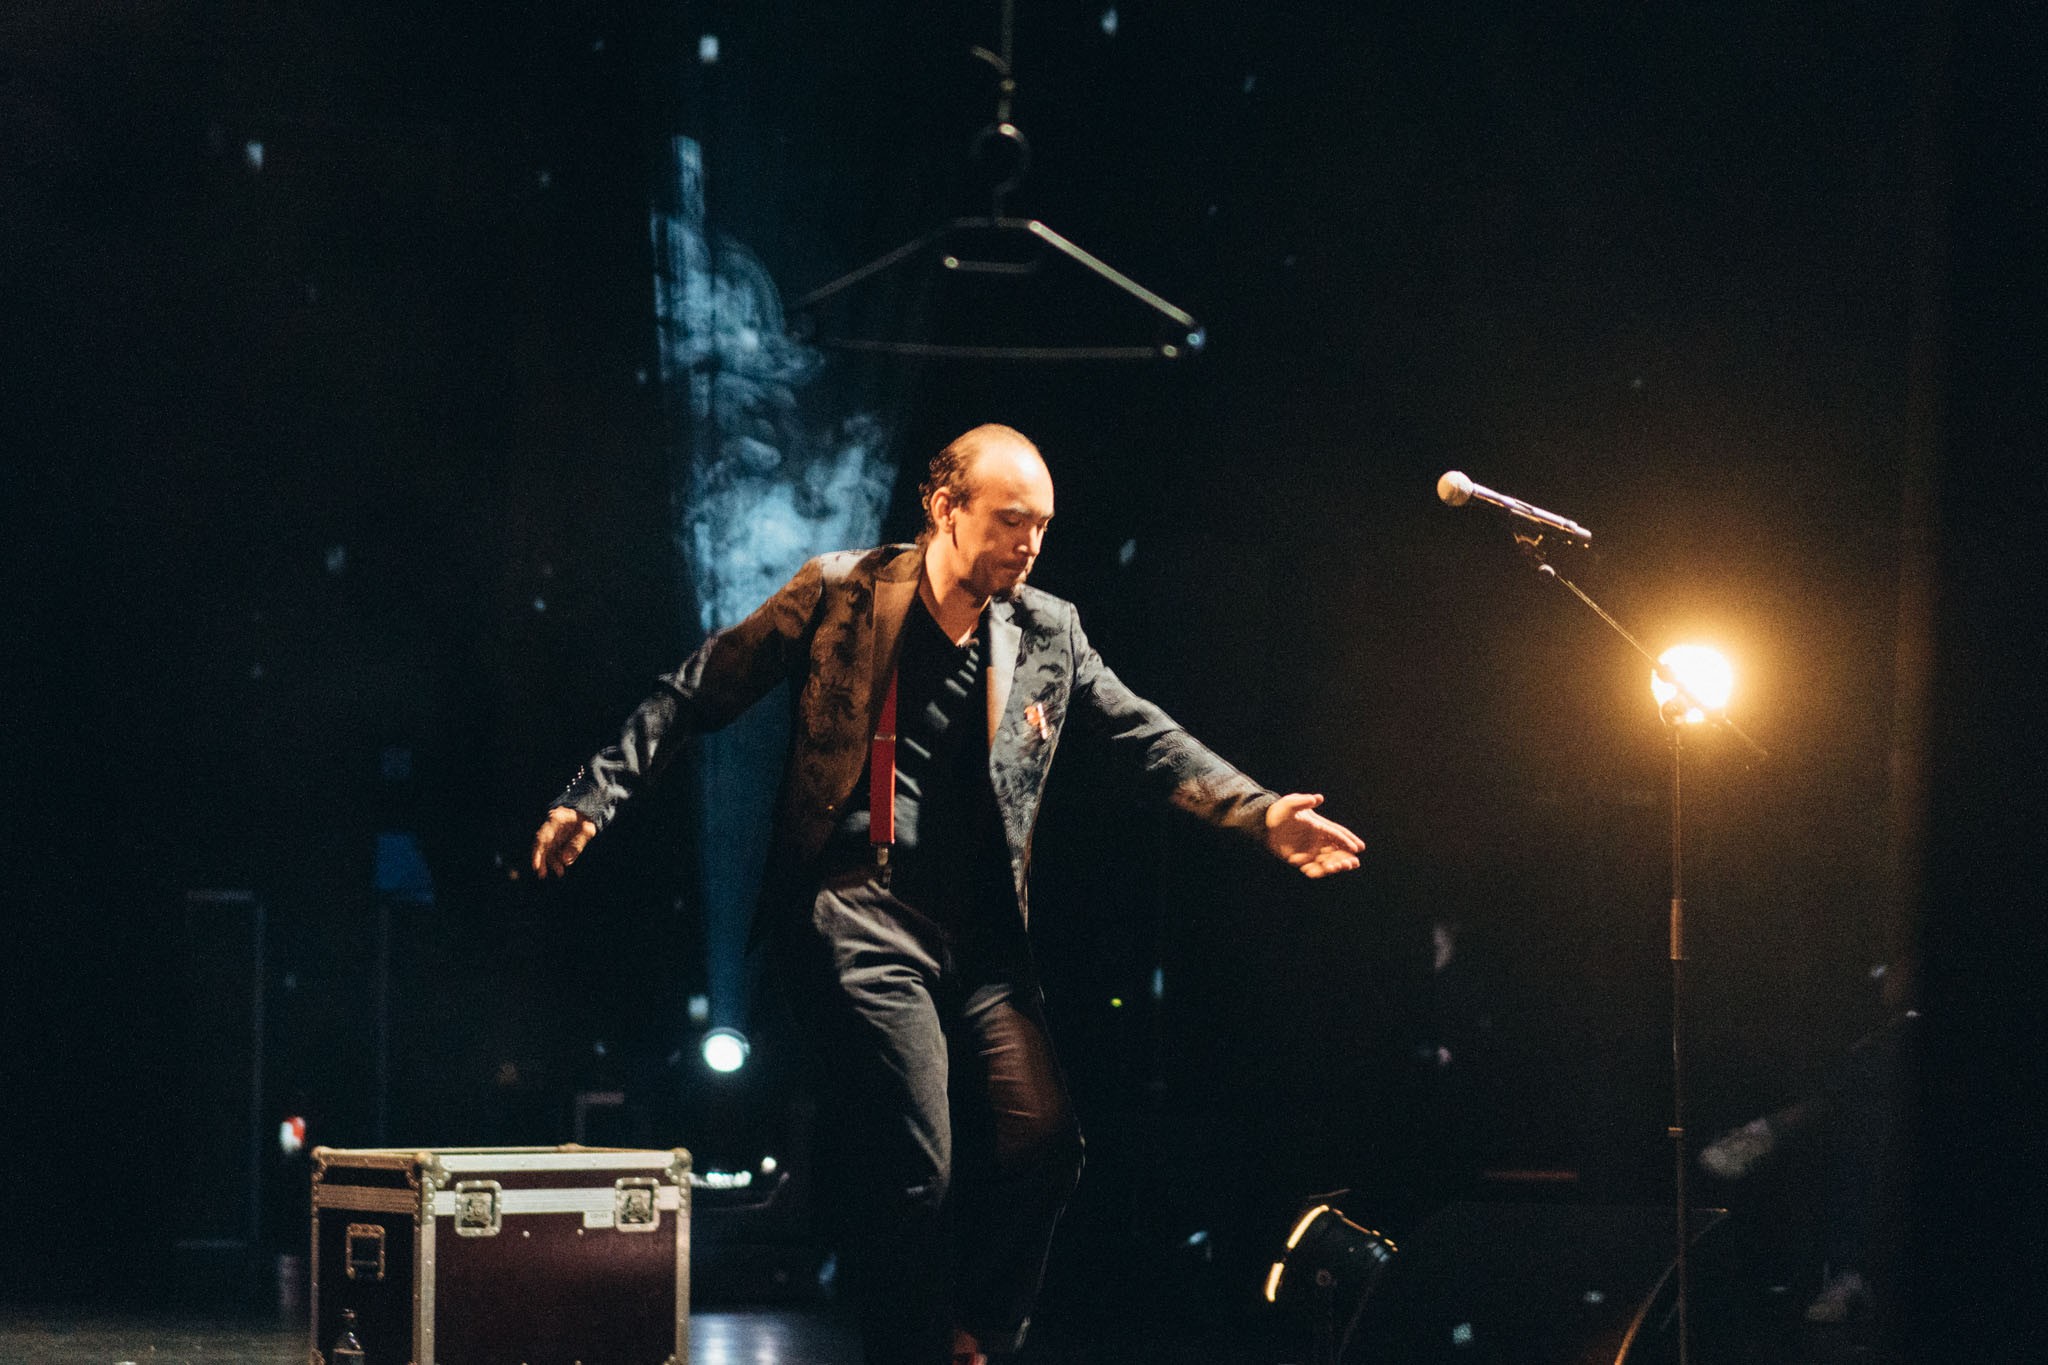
364	1257
634	1204
477	1208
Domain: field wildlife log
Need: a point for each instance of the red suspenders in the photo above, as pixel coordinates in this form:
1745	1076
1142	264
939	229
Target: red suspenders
882	780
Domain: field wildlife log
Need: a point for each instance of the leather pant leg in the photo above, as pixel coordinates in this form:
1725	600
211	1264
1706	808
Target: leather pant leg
943	1116
1017	1159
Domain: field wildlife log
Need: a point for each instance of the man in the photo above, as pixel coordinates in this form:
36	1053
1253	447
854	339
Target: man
899	921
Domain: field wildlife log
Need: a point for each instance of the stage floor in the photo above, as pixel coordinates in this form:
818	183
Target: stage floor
768	1336
1747	1310
764	1337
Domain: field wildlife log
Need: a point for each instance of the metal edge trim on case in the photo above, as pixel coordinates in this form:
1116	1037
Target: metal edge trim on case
368	1158
580	1199
423	1261
313	1355
554	1161
681	1169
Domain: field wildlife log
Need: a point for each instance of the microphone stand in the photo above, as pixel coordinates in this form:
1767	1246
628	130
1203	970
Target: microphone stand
1674	712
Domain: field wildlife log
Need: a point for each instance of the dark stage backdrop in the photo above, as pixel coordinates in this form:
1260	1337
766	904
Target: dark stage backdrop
352	481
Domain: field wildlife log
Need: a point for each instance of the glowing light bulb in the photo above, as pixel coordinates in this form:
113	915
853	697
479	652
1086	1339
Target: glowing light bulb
1705	674
725	1050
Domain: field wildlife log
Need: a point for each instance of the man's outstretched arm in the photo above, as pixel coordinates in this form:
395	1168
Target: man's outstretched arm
1200	782
729	672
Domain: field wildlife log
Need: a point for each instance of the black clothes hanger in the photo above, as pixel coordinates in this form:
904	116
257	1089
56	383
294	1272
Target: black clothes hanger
1010	255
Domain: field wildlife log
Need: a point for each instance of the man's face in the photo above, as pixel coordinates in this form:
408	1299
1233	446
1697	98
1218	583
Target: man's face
995	534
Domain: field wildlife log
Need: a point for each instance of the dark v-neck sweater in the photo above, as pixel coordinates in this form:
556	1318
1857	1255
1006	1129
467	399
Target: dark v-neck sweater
950	856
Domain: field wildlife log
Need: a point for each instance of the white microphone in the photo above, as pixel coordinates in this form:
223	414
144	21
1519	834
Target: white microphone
1457	489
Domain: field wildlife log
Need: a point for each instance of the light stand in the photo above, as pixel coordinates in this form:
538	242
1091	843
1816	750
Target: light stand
1679	708
1681	1208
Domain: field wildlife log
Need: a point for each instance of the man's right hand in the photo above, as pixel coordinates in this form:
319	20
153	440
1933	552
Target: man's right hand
560	841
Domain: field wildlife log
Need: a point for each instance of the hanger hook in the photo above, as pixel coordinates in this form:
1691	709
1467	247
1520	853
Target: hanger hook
1000	148
1006	86
1004	153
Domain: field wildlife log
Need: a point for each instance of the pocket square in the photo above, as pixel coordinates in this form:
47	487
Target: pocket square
1035	714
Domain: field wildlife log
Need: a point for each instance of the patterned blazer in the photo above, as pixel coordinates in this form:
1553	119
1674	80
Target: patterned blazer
832	633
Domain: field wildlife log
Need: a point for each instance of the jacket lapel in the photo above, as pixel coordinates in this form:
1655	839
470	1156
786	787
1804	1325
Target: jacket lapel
895	589
1005	641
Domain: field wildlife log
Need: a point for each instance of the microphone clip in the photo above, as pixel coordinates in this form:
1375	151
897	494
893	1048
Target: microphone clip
1535	546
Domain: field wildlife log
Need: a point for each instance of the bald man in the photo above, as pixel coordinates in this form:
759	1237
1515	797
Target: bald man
931	686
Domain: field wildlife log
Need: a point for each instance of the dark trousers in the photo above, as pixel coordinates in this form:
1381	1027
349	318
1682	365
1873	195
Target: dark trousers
945	1132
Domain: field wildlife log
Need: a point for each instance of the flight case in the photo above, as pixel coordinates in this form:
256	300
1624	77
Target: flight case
502	1255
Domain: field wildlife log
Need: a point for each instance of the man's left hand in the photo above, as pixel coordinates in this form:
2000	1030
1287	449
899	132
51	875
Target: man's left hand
1303	839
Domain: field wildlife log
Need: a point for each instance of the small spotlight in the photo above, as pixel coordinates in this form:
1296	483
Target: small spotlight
1705	674
725	1050
1325	1274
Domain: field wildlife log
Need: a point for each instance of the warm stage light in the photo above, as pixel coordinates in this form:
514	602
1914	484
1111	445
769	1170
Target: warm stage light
1704	672
725	1050
1326	1272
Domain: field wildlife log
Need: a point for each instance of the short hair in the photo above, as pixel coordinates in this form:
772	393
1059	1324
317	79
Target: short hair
949	468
